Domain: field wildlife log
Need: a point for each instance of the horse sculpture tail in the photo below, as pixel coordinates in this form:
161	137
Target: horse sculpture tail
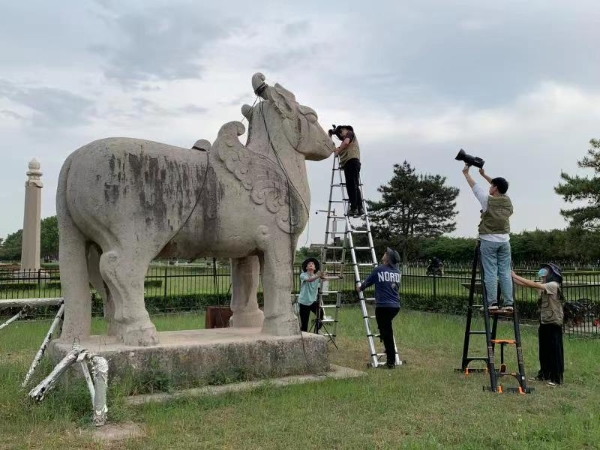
73	265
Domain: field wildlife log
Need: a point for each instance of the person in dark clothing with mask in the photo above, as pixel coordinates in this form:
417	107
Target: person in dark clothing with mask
349	154
386	279
550	333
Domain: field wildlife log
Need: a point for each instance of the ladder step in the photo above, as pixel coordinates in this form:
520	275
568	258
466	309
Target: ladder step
328	306
362	248
368	299
359	231
368	317
477	332
333	262
329	292
504	341
365	264
333	248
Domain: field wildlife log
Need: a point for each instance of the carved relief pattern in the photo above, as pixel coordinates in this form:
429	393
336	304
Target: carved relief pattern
266	182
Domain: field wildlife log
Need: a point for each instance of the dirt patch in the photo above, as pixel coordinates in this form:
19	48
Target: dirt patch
118	432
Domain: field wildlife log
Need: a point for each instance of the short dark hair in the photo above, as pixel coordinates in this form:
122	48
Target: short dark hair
501	184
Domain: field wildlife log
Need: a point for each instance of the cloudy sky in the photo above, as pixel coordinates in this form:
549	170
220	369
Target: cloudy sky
516	83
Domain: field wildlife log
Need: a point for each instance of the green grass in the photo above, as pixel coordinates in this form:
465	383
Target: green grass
423	404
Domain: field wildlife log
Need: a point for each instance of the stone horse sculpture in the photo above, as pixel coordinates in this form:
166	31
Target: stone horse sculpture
122	202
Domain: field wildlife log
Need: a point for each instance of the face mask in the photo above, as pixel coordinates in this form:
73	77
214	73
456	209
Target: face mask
543	272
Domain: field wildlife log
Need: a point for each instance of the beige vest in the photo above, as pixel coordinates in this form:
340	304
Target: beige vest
551	308
351	152
495	219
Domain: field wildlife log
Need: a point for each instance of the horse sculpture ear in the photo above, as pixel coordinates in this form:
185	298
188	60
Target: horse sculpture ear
284	101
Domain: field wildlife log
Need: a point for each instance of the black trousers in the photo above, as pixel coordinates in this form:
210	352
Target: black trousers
305	314
384	317
551	353
352	175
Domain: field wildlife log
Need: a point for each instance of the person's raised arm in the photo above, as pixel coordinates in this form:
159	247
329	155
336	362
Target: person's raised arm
525	282
467	175
368	282
484	175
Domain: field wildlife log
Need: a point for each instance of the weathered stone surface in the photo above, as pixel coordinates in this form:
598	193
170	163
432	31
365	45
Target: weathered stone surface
199	357
122	202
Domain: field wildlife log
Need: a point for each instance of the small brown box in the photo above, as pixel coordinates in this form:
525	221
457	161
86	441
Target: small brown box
217	317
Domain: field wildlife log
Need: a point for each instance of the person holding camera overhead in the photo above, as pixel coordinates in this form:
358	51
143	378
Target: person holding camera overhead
494	229
349	154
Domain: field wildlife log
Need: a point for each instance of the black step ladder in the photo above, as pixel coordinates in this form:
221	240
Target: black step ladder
490	333
334	254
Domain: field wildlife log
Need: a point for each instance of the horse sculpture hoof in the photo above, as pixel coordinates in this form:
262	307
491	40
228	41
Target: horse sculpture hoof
139	336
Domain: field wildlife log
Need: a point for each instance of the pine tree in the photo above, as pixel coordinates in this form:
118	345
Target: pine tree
413	206
583	189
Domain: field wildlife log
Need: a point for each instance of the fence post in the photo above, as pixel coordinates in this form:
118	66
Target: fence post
165	282
434	287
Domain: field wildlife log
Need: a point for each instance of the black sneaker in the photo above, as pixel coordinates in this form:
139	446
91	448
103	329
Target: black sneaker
361	212
493	307
352	212
390	365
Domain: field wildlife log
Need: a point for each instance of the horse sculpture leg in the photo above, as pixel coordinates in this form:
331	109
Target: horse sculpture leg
97	283
244	275
277	285
74	281
125	279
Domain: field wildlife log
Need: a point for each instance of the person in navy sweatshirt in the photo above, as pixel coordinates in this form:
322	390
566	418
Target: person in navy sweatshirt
386	279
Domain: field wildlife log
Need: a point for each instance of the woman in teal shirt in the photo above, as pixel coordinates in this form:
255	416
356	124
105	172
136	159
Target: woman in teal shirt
310	280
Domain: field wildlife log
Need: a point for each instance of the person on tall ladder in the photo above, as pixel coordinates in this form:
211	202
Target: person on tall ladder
310	280
494	229
550	332
349	154
386	279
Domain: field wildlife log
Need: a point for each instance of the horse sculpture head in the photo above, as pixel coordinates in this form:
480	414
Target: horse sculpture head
281	111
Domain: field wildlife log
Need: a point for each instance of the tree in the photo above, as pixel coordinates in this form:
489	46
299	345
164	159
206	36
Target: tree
583	189
11	247
49	237
413	207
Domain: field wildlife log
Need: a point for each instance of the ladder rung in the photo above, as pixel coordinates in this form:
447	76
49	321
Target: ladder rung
333	262
328	306
358	231
368	317
335	232
362	248
333	248
504	341
477	332
337	201
365	264
368	299
330	292
328	320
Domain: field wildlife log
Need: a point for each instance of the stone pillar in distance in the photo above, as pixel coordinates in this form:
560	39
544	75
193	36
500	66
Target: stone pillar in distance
30	250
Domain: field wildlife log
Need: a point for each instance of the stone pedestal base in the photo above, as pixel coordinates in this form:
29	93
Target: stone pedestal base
202	357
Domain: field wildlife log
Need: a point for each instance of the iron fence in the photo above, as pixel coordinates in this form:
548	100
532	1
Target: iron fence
176	288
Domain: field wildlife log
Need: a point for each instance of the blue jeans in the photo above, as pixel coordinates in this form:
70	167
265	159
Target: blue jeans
495	259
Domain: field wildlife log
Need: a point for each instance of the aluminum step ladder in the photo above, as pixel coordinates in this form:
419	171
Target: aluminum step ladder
338	251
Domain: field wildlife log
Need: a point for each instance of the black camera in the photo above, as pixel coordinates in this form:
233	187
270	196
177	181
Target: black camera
469	160
337	129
